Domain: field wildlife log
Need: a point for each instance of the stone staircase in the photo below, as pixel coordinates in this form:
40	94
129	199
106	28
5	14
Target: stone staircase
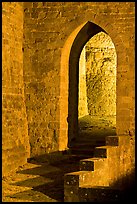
84	148
101	173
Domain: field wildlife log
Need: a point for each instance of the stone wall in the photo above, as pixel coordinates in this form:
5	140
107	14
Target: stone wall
15	141
47	26
42	41
101	76
97	78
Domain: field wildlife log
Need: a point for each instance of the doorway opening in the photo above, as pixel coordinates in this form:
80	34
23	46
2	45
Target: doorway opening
85	37
97	90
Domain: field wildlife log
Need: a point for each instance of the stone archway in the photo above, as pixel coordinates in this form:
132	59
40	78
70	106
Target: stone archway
88	31
69	81
69	78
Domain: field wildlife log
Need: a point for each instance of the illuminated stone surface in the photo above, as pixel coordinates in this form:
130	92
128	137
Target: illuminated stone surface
39	40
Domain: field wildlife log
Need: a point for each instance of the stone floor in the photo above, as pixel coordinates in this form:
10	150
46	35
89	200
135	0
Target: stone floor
41	180
21	186
37	182
91	122
95	128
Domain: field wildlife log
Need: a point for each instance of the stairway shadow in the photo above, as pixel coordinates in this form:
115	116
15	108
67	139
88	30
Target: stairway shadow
46	180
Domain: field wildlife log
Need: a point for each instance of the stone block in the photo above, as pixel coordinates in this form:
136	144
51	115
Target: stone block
92	164
98	194
117	140
104	151
112	140
77	178
71	194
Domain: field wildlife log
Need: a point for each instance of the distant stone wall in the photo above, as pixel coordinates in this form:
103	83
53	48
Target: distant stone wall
101	75
15	141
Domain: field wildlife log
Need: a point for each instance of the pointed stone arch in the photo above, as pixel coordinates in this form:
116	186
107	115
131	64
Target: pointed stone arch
69	77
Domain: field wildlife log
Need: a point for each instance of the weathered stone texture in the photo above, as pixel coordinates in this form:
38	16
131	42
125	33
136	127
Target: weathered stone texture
41	77
15	141
112	167
47	25
97	78
101	76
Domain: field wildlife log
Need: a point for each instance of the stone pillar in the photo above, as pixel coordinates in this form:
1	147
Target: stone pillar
15	140
82	103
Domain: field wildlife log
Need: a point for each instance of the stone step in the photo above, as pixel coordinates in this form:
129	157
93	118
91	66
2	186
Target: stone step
78	186
92	164
90	139
82	151
90	193
117	140
111	141
78	157
104	151
89	143
74	156
80	178
100	168
77	178
100	142
83	145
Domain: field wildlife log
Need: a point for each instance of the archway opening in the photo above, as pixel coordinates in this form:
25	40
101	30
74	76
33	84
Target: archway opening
97	90
69	81
86	32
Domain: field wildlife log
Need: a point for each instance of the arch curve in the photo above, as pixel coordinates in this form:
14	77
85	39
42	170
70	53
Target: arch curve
69	81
